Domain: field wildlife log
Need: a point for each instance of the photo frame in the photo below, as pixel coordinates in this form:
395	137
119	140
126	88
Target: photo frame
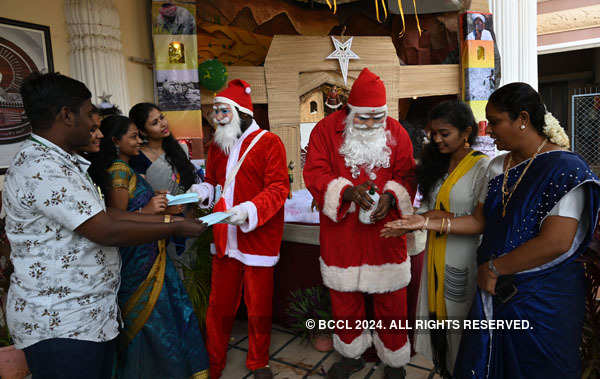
24	48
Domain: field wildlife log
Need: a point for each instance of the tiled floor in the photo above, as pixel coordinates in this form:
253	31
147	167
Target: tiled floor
291	358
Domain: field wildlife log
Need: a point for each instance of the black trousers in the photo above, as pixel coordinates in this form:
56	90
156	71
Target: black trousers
65	358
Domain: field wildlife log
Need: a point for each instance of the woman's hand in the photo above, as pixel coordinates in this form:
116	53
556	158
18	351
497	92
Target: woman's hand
407	222
486	279
389	232
436	214
175	209
156	205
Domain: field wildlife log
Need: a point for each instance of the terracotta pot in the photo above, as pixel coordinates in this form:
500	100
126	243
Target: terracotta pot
12	363
323	342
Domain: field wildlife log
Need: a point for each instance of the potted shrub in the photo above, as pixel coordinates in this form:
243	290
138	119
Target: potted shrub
12	361
310	303
196	272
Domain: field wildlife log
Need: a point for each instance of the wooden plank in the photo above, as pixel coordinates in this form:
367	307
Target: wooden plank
308	53
427	80
255	76
480	6
290	136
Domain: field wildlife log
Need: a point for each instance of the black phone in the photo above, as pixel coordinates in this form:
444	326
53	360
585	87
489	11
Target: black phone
505	288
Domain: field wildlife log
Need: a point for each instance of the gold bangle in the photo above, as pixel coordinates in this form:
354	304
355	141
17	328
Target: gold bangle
167	219
425	223
449	226
442	226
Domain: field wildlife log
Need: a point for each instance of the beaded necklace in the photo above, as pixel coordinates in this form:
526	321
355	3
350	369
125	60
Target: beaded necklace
506	195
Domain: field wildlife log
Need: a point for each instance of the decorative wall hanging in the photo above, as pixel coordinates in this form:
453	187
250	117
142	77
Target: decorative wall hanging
176	67
24	48
343	54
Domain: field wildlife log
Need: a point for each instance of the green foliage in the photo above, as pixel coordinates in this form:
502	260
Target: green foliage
196	274
590	346
307	303
212	74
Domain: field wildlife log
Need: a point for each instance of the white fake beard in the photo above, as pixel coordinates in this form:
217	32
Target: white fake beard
227	134
365	148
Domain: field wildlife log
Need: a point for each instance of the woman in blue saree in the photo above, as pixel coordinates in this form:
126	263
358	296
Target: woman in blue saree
537	217
161	336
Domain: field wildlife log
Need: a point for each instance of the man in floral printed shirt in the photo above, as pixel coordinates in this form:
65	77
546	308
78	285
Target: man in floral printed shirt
62	302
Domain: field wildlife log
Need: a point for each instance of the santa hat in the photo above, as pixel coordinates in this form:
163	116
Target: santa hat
367	94
237	94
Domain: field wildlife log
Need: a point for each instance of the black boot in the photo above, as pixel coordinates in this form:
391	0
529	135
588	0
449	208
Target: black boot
394	372
344	368
263	373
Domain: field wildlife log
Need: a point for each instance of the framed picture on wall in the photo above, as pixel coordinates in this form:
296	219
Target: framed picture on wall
24	48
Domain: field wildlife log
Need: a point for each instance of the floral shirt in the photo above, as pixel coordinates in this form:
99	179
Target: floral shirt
63	285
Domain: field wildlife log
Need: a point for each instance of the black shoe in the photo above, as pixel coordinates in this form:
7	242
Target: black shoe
344	368
263	373
394	372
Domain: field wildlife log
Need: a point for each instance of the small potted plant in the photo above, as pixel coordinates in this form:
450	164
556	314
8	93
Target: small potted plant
196	271
12	361
310	304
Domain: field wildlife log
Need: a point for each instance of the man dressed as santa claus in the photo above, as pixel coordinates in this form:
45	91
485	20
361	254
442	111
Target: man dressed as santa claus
351	152
246	170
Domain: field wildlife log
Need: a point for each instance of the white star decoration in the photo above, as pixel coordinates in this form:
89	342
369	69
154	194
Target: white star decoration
343	54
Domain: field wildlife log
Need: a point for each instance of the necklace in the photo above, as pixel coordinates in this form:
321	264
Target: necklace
506	195
155	152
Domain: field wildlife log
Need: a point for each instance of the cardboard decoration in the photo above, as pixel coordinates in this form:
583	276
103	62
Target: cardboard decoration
295	65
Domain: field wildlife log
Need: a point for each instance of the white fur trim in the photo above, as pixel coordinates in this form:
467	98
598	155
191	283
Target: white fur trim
205	192
402	197
248	259
333	197
397	358
226	100
355	348
356	109
367	278
419	242
252	220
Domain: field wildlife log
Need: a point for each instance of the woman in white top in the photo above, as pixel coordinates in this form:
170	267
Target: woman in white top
537	218
451	178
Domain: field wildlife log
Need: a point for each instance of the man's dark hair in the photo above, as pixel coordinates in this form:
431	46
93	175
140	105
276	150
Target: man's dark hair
44	95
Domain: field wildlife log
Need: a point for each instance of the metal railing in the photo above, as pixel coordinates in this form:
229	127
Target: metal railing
585	127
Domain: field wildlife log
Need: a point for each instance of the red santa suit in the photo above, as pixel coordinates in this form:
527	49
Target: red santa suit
245	254
354	258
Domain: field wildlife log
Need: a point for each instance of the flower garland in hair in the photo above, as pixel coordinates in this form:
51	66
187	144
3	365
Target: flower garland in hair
555	133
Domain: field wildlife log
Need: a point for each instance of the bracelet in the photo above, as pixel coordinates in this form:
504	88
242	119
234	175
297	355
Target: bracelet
493	268
449	226
424	227
167	219
442	226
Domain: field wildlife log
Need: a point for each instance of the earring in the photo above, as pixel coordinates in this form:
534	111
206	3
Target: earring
522	127
117	148
467	144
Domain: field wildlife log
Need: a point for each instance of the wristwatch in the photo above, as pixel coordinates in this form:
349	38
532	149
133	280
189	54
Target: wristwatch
492	267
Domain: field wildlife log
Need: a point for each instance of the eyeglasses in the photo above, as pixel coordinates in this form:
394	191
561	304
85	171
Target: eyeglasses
366	117
224	111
